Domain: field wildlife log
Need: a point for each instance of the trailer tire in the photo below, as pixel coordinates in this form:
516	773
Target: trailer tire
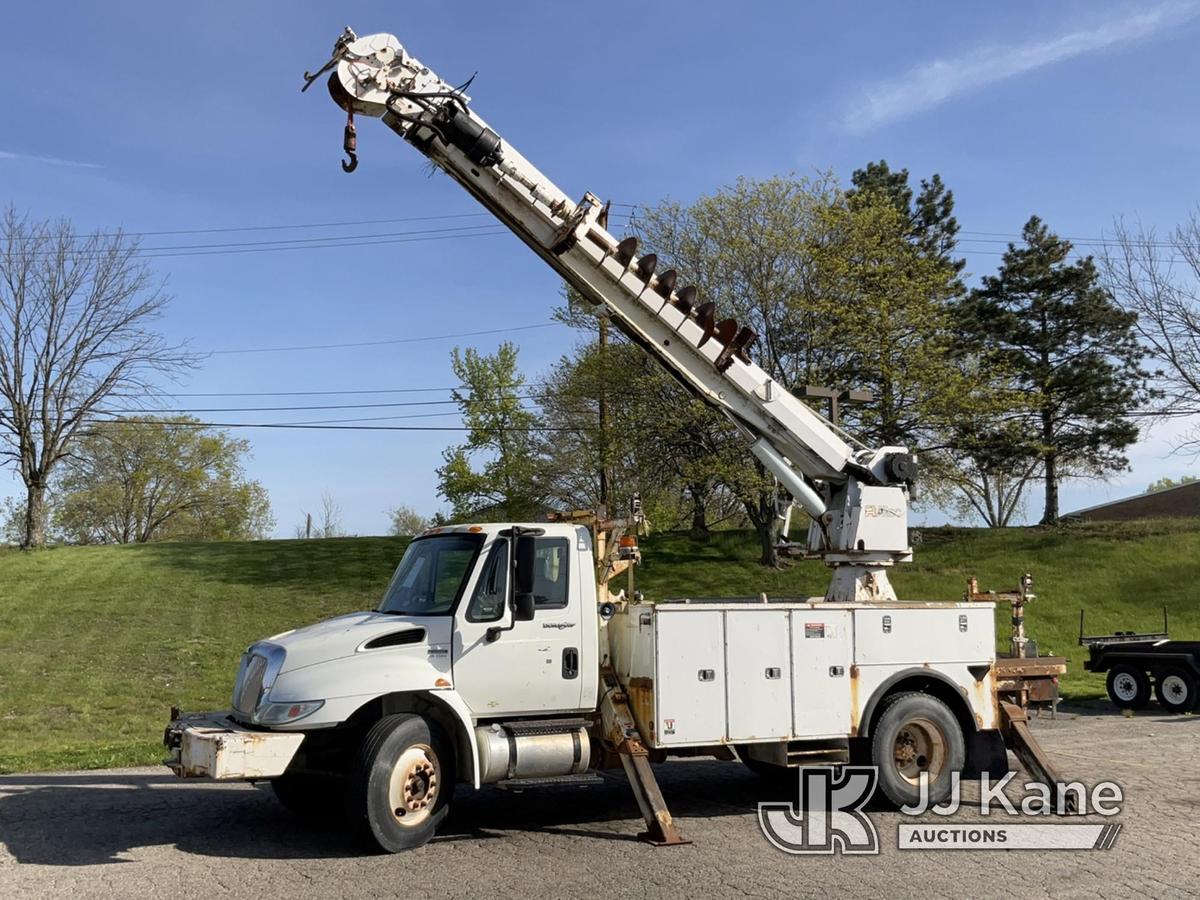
1175	689
1128	686
308	796
401	783
914	734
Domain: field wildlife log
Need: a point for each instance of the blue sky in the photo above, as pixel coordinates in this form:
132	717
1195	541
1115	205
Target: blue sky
160	117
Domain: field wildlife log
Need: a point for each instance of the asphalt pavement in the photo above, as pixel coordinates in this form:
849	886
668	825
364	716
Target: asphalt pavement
142	833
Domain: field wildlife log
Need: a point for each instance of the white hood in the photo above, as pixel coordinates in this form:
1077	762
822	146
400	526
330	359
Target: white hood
339	637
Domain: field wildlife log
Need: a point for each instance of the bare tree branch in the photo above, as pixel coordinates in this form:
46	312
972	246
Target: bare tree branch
75	331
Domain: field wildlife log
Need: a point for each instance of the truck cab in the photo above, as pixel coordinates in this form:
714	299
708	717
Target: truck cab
445	630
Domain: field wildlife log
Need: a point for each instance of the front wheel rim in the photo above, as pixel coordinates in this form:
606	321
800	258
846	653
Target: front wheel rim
413	786
919	749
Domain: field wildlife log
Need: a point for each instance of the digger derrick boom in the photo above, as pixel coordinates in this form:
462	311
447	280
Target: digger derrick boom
857	498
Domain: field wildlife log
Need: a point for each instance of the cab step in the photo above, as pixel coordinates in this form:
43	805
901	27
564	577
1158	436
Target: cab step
530	727
580	780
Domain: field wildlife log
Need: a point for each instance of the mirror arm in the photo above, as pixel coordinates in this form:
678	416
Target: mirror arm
493	633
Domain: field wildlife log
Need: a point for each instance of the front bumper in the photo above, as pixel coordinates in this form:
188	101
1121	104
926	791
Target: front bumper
212	745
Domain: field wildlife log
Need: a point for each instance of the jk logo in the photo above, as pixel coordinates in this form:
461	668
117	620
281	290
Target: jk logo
829	817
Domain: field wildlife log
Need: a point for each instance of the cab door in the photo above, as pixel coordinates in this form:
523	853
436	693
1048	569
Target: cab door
534	667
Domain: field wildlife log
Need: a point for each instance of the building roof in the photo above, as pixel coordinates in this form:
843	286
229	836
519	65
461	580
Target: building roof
1180	500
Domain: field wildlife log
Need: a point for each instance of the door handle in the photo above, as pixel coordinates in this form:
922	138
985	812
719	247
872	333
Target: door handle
570	663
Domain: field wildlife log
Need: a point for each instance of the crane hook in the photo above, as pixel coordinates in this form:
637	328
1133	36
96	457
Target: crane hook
350	145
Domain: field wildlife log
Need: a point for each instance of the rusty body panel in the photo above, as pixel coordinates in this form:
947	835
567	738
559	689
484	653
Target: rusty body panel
208	745
1032	681
641	700
620	729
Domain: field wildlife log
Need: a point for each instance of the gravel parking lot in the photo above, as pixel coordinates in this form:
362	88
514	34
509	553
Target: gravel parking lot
141	832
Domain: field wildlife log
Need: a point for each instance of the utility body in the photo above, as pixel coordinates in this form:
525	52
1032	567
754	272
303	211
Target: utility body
503	653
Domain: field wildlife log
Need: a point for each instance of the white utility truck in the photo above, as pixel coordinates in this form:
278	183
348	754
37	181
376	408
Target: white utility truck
500	653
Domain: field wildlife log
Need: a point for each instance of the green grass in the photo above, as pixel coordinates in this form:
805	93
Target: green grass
97	643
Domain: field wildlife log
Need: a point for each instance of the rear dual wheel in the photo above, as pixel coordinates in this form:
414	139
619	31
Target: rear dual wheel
917	738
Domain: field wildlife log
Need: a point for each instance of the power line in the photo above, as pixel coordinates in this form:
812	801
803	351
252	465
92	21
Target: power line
346	224
225	229
225	409
321	427
461	387
412	340
320	242
1100	241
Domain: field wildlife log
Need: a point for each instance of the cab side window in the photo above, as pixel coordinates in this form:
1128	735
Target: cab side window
491	591
551	565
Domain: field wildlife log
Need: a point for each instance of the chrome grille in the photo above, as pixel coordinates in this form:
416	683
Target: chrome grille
249	683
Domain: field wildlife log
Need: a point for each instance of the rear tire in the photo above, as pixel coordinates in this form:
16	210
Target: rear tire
1128	687
916	734
401	783
1176	690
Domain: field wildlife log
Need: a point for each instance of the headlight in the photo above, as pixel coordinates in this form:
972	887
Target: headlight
283	713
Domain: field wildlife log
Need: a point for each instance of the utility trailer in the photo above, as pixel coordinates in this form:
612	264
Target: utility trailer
1136	662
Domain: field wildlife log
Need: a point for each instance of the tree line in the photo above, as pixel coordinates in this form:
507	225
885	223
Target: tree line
1040	371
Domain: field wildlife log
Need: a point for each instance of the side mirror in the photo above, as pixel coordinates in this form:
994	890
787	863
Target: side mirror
525	560
523	607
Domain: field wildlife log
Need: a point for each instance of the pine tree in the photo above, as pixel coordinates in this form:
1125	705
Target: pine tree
1067	344
931	222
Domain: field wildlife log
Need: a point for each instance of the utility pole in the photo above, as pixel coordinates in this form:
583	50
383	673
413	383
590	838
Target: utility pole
836	397
606	499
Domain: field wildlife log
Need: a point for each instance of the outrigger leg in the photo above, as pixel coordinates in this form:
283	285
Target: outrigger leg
1018	738
621	729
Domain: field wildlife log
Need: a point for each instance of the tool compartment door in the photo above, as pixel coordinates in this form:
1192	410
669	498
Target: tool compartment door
822	641
689	677
758	657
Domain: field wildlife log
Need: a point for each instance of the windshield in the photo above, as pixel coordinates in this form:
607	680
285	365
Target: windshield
431	575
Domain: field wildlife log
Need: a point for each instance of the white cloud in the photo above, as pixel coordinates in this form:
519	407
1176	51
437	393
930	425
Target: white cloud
49	160
930	83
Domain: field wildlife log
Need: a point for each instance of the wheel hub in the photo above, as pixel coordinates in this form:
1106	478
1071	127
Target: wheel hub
1175	689
1125	687
919	747
413	786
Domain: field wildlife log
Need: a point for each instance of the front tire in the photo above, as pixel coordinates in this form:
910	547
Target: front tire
1176	690
916	735
401	783
1128	687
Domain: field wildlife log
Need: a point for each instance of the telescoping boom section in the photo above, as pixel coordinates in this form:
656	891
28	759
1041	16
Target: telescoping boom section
857	497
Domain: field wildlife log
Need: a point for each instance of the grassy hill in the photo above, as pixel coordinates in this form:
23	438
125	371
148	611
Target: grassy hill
97	643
